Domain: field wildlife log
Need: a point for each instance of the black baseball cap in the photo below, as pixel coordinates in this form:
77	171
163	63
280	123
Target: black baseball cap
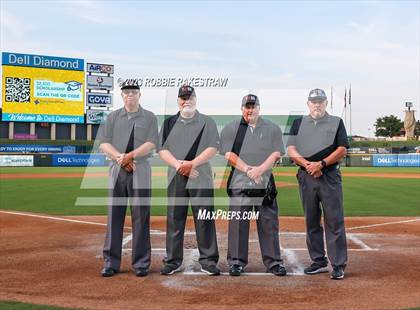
317	94
186	91
130	84
250	99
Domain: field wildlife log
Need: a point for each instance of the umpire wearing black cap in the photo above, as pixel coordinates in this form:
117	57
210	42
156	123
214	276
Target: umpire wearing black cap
252	145
317	143
127	137
187	141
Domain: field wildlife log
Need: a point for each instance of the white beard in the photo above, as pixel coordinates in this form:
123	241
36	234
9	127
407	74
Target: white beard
317	115
188	111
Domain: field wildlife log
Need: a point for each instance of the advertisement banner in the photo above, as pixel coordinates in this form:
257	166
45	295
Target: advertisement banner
359	160
36	148
42	89
379	160
98	100
16	160
42	160
409	160
80	160
99	68
396	160
100	82
96	116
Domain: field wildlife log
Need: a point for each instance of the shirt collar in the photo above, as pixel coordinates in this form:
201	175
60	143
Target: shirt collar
260	122
140	112
323	119
188	120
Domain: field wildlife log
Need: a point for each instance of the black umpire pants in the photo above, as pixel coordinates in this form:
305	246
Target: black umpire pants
121	191
267	228
179	197
324	195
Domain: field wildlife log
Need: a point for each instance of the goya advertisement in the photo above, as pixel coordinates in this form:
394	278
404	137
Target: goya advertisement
42	88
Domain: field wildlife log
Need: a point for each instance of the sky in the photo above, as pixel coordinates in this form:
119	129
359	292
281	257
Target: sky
278	50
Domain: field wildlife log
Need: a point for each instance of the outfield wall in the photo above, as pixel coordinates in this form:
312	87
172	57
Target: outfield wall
383	160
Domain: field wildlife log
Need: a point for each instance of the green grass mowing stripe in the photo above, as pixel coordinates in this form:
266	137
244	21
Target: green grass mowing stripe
362	196
15	305
381	196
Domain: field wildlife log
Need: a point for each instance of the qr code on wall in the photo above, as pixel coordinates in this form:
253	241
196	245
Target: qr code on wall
18	89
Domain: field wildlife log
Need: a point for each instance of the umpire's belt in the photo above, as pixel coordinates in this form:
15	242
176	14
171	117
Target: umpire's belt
326	169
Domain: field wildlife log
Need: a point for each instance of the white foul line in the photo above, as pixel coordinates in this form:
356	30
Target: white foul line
55	218
383	224
152	231
159	232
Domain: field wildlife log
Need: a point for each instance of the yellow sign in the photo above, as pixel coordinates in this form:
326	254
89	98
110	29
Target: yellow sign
34	94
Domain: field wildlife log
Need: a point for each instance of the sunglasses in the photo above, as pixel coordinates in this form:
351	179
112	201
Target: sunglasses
130	91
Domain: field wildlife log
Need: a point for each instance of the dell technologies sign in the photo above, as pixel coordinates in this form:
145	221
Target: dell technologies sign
98	100
78	160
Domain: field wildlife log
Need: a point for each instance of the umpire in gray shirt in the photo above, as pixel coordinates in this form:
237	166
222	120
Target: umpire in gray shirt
252	145
187	141
317	143
127	137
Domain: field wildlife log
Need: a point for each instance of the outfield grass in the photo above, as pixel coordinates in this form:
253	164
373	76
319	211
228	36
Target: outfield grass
362	196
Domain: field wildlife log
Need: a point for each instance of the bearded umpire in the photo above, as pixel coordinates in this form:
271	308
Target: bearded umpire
187	142
317	143
128	137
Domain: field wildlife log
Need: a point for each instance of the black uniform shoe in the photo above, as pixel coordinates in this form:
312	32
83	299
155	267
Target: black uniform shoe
278	270
337	273
210	270
236	270
169	269
141	272
108	272
315	268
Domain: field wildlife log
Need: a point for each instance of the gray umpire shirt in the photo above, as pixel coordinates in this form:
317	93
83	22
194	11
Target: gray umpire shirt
315	139
186	138
127	131
252	145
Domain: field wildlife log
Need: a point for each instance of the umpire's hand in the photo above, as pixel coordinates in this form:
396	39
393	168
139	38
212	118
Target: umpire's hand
255	173
127	161
314	168
186	169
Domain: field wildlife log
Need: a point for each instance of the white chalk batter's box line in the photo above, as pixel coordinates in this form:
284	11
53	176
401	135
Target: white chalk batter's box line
69	220
355	238
192	255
